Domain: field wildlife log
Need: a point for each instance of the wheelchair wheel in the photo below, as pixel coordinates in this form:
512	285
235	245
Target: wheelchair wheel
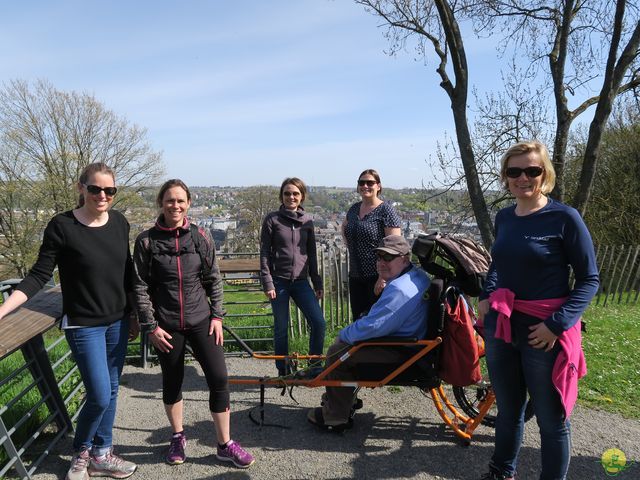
470	397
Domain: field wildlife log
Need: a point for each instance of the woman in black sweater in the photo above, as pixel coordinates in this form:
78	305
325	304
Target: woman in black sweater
90	245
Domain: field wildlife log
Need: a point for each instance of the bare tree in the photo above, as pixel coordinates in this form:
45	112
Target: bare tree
567	48
253	204
572	46
435	25
46	138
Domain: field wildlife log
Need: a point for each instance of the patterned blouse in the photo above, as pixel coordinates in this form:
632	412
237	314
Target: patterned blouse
363	235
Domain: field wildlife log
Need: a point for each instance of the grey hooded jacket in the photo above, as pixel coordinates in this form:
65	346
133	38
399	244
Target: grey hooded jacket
288	248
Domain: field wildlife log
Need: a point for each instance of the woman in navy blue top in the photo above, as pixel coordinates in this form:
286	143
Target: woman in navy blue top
538	242
367	223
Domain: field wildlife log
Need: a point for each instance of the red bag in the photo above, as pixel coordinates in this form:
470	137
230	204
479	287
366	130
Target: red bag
459	358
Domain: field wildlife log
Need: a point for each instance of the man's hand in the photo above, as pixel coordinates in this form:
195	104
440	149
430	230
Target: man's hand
379	286
271	294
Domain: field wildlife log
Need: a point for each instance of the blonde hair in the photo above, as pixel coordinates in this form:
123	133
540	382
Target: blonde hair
520	148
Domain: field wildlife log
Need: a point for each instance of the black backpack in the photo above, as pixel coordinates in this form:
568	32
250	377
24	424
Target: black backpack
449	257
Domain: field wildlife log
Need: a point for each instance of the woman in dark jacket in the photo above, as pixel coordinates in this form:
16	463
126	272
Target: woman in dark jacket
178	291
287	261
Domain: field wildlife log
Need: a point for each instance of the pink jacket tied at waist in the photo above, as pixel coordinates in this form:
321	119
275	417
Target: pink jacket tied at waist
570	364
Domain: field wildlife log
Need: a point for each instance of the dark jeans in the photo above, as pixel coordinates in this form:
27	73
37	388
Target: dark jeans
99	353
514	369
361	295
304	297
210	357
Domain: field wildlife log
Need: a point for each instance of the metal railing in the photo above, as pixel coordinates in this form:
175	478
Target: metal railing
35	414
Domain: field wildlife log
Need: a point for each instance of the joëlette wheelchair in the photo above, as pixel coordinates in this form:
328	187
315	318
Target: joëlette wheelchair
419	370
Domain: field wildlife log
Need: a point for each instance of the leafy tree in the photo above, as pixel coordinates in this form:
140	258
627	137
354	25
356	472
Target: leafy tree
614	215
47	137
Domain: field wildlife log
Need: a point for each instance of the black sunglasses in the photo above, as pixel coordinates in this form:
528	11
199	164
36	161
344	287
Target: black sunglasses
530	172
387	257
95	190
368	183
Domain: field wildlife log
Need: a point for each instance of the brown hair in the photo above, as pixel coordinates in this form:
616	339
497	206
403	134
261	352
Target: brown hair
520	148
89	171
296	182
374	174
174	182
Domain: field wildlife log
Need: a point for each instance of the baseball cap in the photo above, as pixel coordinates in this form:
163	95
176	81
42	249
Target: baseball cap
394	244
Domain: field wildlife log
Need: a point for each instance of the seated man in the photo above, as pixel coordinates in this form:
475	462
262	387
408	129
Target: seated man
400	311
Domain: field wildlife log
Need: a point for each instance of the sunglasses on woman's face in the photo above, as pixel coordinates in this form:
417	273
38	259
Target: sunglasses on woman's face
368	183
531	172
95	190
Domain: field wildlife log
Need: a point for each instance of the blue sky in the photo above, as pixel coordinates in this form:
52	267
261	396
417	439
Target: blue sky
245	92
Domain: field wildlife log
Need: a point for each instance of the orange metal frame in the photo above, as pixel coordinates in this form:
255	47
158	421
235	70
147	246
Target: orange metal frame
462	425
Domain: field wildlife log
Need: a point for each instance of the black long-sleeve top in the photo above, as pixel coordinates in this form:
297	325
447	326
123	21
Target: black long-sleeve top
95	268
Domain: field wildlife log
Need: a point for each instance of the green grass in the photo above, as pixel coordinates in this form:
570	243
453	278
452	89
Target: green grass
611	346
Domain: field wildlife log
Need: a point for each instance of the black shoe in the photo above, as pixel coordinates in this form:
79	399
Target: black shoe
308	373
495	476
316	417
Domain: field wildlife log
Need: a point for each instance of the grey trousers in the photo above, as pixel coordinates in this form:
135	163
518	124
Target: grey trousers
339	400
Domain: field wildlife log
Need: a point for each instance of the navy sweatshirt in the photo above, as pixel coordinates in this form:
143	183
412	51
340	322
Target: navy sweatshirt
532	257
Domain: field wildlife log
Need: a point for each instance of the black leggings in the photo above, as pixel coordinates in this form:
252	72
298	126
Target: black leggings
210	357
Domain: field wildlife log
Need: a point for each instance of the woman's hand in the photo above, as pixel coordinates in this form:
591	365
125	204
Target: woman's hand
160	339
379	286
483	309
215	328
134	327
271	294
542	337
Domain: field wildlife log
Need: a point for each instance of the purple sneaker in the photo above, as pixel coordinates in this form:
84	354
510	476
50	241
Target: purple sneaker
235	454
176	455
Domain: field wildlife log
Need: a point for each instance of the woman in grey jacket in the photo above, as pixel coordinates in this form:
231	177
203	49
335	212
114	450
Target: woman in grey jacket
287	261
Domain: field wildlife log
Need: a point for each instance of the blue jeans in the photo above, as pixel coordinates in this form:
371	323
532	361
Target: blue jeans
514	369
99	353
304	297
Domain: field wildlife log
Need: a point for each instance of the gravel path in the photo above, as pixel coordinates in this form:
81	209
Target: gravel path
398	434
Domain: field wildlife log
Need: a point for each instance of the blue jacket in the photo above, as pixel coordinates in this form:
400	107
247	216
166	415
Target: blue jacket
400	310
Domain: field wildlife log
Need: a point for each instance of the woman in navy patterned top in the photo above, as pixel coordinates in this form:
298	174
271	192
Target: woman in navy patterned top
367	223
